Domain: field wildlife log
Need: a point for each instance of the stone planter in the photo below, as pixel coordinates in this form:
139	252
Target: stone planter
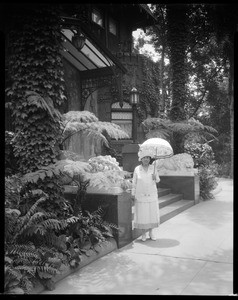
116	205
101	250
182	183
114	190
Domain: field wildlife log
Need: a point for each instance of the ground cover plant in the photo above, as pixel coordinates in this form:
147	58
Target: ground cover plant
39	241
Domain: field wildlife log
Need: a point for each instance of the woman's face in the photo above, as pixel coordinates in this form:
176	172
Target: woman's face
145	160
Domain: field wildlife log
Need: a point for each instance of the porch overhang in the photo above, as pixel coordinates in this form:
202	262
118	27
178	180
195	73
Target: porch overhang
94	59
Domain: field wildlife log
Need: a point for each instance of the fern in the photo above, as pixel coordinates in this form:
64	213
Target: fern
23	225
30	243
88	129
35	99
113	130
87	123
74	168
177	132
23	251
80	116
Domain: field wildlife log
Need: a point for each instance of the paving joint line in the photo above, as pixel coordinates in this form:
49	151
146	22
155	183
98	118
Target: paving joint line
195	275
191	258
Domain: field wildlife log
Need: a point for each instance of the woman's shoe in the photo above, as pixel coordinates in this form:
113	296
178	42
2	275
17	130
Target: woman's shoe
152	237
143	238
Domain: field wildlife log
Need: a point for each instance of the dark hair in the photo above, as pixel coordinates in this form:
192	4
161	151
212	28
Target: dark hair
151	159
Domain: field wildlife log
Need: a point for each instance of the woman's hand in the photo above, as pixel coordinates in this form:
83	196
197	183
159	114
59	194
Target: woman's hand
153	177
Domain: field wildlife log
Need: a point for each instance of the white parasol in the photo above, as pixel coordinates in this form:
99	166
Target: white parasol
157	148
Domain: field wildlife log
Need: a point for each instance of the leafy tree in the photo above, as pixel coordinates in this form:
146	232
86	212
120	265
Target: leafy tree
165	128
224	20
208	63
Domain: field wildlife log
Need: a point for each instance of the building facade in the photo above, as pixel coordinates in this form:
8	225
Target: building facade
100	67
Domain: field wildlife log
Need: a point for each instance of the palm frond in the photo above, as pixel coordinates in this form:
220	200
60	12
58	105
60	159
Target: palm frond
82	121
210	129
182	128
73	168
80	116
34	98
113	130
88	129
100	181
155	123
106	179
156	127
158	133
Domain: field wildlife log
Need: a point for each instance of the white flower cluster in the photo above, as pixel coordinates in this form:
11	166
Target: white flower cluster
103	163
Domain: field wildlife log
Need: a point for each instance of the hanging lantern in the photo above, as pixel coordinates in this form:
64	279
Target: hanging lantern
134	96
78	40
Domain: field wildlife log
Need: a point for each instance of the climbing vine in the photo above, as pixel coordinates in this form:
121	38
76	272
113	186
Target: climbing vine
36	85
148	86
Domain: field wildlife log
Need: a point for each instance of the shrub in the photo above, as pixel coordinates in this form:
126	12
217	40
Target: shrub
207	180
224	169
203	156
88	230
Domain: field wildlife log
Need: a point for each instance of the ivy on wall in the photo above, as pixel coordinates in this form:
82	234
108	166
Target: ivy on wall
36	87
145	76
150	94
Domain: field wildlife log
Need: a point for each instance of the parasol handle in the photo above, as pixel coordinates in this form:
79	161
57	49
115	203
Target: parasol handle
155	162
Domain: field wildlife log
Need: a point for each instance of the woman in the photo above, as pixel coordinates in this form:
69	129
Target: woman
145	195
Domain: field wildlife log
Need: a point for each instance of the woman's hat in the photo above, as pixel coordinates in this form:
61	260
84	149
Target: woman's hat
143	153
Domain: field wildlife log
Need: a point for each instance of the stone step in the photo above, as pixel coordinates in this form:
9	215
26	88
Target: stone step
163	191
169	198
169	211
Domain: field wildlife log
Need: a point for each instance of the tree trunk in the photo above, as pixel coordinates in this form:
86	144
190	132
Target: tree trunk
231	90
162	105
176	15
177	32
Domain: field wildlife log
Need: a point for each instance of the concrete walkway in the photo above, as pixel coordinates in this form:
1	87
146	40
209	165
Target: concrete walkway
193	255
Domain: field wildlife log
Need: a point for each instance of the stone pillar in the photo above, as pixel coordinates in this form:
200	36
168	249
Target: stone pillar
130	157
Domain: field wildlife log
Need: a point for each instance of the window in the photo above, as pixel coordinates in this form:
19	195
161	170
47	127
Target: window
97	17
112	26
122	116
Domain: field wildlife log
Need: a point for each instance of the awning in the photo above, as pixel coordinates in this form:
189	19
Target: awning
91	57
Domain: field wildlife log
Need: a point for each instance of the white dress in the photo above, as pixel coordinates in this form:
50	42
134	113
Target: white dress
146	214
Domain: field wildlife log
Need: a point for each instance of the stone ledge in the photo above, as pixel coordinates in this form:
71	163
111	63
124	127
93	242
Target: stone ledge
104	248
114	190
188	172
